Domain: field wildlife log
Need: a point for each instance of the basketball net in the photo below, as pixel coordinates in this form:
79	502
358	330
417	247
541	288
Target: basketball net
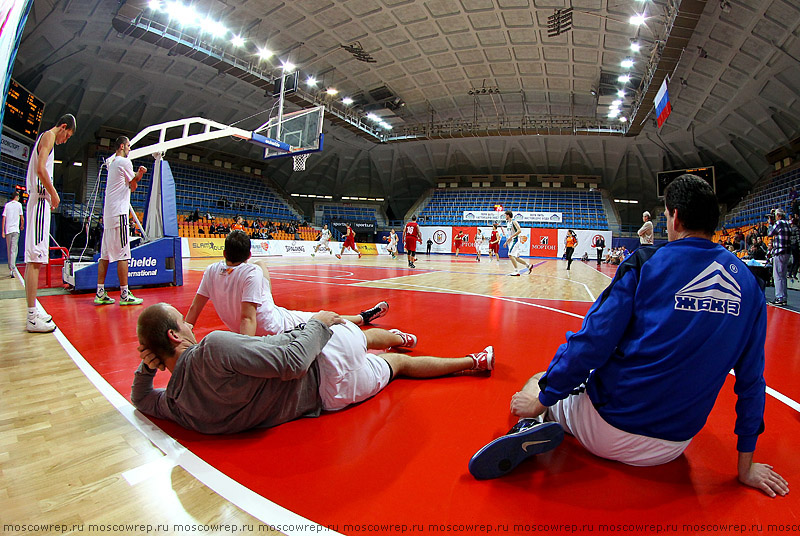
300	162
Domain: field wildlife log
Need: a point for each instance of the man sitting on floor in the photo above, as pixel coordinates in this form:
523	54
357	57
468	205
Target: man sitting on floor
639	379
241	295
228	383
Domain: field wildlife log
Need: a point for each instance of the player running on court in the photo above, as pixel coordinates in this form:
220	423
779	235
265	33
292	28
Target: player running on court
514	245
349	242
412	237
392	247
324	241
494	244
478	244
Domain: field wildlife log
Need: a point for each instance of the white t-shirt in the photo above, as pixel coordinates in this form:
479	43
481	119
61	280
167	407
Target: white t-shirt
118	190
325	235
12	213
228	286
646	233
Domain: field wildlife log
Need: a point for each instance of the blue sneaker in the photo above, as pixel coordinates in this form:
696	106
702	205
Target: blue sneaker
527	438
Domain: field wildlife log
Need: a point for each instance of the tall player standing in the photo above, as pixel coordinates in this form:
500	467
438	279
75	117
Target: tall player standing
116	247
42	198
411	237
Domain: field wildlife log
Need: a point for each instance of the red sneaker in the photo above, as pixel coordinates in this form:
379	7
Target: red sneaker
483	360
409	340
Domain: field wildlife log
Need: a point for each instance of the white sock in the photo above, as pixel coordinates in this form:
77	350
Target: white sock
123	292
101	289
32	313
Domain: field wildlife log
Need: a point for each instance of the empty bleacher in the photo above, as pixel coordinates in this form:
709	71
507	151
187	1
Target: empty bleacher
581	209
769	193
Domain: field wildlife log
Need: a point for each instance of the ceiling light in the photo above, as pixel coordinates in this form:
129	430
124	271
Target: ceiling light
155	5
373	117
385	125
637	20
624	79
347	101
184	15
621	93
77	164
215	28
627	63
635	46
288	66
623	119
311	81
613	113
264	53
237	40
332	91
617	103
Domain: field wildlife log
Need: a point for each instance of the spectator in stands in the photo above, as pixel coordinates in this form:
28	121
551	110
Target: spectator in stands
239	225
794	240
781	250
758	251
209	216
645	232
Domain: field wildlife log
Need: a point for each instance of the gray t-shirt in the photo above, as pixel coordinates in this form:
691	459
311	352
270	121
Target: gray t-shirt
229	383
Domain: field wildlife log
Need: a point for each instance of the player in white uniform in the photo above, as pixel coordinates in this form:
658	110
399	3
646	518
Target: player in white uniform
116	248
42	198
324	241
392	246
513	231
13	222
478	244
242	297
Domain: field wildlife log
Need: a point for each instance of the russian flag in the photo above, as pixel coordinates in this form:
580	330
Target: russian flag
663	107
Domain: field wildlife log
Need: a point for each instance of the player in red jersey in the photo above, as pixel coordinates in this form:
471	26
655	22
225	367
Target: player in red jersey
349	242
494	244
457	240
412	236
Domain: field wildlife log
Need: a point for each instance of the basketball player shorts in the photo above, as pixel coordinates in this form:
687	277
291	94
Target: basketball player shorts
411	246
348	374
116	246
494	247
577	415
515	249
37	230
349	243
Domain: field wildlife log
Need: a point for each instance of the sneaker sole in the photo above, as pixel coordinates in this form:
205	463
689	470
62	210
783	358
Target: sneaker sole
104	302
137	302
504	453
40	330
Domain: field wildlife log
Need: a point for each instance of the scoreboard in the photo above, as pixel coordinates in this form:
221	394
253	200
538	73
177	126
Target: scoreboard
666	177
23	112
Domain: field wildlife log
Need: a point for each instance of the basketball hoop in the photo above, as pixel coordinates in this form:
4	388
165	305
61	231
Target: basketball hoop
300	162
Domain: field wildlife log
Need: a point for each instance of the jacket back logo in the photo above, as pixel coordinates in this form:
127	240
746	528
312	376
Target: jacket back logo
714	290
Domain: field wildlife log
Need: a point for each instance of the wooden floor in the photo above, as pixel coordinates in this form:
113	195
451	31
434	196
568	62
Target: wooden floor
75	455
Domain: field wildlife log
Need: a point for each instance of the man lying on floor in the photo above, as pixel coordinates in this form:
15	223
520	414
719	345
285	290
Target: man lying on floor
229	383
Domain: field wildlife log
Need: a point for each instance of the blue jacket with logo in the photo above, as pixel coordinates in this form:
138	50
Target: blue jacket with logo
658	343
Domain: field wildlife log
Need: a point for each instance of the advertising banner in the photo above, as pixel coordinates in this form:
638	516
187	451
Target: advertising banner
205	247
358	226
586	242
522	217
544	243
14	148
440	236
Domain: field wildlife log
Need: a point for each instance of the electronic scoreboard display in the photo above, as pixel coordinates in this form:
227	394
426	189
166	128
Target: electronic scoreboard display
665	177
23	112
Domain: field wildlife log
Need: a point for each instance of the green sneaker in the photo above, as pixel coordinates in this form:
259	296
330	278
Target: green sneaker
105	299
130	300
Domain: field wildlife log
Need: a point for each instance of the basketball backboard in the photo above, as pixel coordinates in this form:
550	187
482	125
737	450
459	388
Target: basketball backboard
301	131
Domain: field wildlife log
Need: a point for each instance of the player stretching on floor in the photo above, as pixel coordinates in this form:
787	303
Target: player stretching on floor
349	242
324	241
412	237
513	243
242	296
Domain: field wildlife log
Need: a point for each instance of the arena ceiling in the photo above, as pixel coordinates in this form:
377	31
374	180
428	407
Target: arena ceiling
735	91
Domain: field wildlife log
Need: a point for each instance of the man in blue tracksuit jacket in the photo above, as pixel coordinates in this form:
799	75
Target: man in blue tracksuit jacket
640	378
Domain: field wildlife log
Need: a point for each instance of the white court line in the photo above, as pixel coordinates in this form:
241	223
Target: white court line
229	489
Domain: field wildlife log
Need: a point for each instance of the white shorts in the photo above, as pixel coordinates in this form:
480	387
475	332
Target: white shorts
272	319
577	415
348	374
116	246
37	231
515	249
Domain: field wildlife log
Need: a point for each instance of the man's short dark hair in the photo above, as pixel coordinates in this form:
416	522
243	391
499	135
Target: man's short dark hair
237	246
695	201
68	120
14	194
413	218
119	142
509	214
152	329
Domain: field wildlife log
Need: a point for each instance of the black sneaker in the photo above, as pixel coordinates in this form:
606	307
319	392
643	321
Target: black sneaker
527	438
779	303
376	312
